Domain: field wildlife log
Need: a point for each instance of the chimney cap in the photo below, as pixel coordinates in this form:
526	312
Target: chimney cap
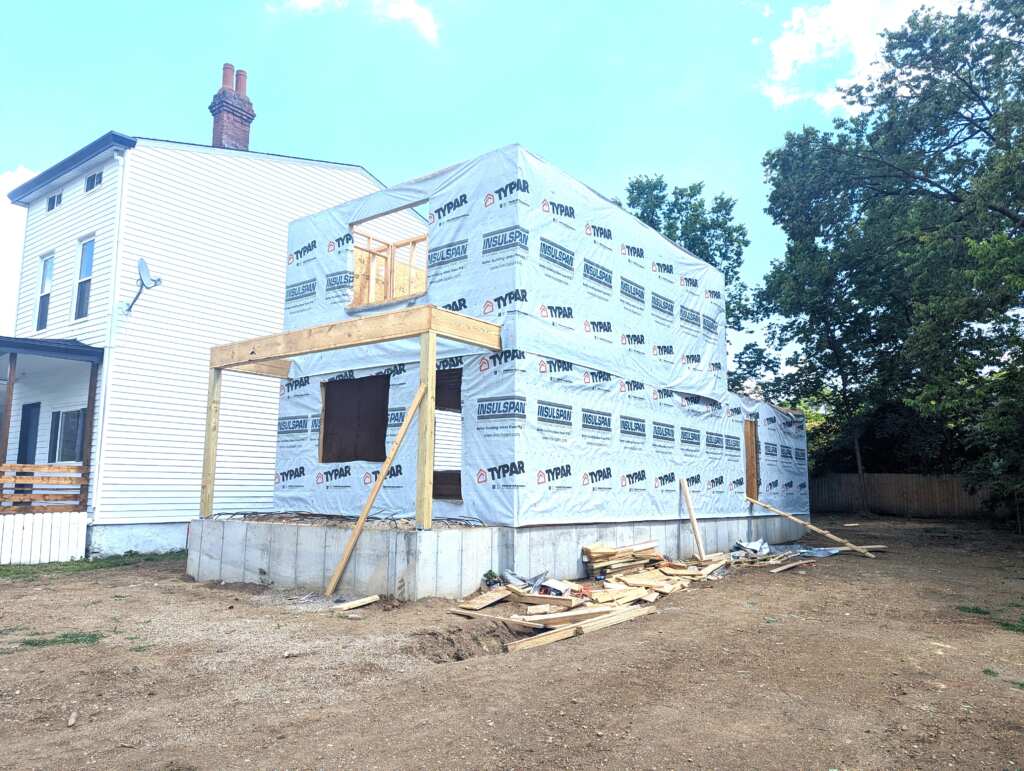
227	76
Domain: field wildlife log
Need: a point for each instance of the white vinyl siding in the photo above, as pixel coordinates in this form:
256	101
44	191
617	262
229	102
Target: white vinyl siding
212	224
447	440
61	232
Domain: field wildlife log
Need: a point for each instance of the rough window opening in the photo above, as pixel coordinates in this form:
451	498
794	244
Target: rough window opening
448	436
389	258
354	419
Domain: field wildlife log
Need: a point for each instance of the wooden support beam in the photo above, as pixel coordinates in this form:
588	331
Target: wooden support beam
210	443
752	472
5	421
90	416
377	328
815	528
350	546
279	368
694	525
425	450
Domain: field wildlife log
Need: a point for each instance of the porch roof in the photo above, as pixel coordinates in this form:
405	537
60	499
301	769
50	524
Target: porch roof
55	349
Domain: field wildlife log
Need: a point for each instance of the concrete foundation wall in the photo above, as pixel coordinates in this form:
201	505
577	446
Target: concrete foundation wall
445	562
108	540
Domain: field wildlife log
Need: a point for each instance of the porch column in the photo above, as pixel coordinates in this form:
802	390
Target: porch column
90	412
425	453
5	423
210	443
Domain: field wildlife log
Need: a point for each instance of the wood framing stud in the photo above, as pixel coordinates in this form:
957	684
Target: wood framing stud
350	546
753	451
5	416
425	451
815	528
90	414
698	541
210	443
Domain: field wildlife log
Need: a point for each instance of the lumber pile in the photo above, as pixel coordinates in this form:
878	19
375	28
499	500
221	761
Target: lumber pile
601	560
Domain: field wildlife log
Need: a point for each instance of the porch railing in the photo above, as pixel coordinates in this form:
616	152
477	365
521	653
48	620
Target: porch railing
27	488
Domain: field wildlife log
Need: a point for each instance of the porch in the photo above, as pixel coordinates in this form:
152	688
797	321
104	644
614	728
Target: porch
49	403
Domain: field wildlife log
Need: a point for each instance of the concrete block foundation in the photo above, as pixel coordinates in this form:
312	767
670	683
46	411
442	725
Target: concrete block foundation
444	562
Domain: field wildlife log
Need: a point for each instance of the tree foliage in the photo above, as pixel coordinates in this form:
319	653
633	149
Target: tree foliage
903	278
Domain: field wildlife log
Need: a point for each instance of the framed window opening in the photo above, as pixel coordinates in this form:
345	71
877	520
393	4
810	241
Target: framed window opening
84	287
45	287
448	435
93	181
354	419
54	201
389	258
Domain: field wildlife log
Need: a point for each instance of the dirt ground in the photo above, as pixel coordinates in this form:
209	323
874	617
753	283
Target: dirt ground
914	659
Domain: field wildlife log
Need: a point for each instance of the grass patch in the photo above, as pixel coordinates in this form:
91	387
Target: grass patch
1017	684
140	648
32	572
989	672
64	638
974	610
1013	626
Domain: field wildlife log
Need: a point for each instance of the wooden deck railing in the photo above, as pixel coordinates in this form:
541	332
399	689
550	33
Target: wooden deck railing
32	488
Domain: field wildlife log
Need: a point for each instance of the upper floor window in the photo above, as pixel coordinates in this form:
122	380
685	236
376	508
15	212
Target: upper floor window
84	279
53	201
45	283
93	181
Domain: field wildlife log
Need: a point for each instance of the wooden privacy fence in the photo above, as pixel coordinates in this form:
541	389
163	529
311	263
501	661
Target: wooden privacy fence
42	488
909	495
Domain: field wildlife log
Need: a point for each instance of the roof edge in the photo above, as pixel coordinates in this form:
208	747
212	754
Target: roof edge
112	140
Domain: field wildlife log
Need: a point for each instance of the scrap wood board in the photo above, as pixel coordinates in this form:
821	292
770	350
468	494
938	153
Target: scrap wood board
487	598
565	632
512	621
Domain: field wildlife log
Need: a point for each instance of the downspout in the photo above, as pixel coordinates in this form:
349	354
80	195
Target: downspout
108	347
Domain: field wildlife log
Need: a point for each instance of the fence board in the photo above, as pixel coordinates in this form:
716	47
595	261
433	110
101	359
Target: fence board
908	495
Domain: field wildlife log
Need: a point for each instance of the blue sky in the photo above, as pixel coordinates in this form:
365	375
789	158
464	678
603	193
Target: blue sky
605	90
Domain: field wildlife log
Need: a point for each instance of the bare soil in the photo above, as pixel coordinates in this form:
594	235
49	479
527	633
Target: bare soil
911	660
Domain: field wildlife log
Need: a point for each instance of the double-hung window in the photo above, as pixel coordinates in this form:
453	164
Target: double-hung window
45	285
84	279
67	435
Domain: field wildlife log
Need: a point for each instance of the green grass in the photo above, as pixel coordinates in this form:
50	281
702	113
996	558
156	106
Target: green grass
990	672
1013	626
1017	684
33	572
64	638
139	648
974	609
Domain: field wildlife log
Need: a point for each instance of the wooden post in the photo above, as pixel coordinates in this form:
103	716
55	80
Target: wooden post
339	569
5	424
210	442
752	473
425	454
90	412
815	528
698	541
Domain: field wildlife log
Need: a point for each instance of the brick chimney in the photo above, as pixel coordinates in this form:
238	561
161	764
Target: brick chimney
232	111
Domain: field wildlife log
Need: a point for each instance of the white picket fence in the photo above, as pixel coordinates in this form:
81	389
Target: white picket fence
31	539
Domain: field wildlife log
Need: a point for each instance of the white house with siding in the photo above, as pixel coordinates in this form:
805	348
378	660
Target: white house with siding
211	222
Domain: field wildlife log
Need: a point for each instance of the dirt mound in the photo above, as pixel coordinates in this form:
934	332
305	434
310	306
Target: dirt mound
458	644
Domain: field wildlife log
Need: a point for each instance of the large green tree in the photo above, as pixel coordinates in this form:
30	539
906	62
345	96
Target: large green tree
903	279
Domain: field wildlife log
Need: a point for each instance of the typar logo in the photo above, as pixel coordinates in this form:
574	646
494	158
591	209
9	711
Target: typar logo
371	476
290	475
293	385
631	339
737	484
335	244
335	474
663	350
555	311
597	327
554	473
447	209
302	252
663	268
629	386
628	250
558	209
715	485
598	231
501	357
552	366
596	476
631	478
688	282
506	191
503	301
455	305
593	376
664	480
501	471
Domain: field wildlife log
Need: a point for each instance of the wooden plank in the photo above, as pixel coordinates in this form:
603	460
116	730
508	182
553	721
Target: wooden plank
425	449
791	565
698	541
510	621
5	413
521	595
37	509
89	419
534	610
279	368
352	604
569	616
483	600
36	481
466	329
628	614
210	443
73	496
47	467
350	546
752	472
544	638
815	528
565	632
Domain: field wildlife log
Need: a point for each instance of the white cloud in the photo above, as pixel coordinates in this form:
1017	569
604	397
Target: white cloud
12	233
820	33
756	40
767	11
411	11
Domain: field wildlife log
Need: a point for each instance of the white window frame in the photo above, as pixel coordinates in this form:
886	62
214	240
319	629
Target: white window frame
43	258
97	183
82	241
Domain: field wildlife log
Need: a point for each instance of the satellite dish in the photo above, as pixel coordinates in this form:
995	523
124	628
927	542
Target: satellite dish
145	281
